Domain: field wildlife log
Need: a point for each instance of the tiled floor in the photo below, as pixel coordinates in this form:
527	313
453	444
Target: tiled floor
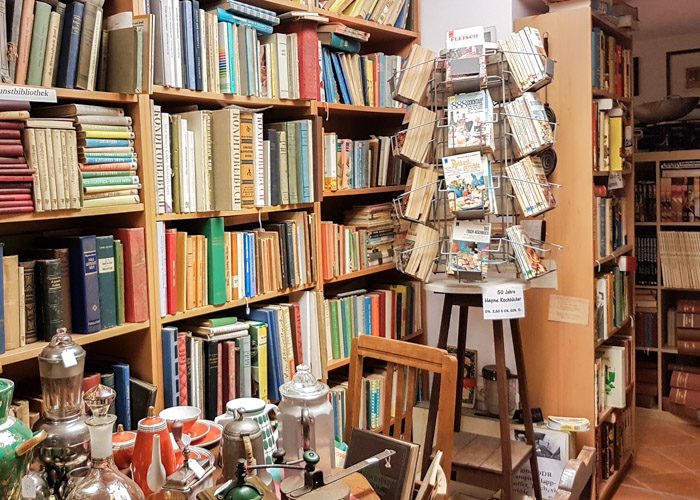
668	460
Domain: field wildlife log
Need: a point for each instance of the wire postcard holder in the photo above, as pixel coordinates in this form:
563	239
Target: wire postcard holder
506	182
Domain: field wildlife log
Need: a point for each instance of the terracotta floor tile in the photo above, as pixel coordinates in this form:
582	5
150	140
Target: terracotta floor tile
652	461
631	481
679	483
625	492
686	455
661	435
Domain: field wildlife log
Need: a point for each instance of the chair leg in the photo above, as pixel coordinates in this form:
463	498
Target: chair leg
435	390
525	403
503	415
461	347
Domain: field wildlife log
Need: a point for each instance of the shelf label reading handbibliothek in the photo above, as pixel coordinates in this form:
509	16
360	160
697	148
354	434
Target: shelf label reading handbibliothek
31	94
503	302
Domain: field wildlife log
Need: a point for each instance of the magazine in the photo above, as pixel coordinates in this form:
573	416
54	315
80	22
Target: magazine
470	122
469	249
466	177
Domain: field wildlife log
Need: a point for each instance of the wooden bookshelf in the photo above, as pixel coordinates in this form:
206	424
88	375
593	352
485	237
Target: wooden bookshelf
71	214
362	272
335	109
570	349
187	96
360	192
236	213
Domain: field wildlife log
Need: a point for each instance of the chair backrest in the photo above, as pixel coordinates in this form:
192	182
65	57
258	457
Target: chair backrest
404	360
576	479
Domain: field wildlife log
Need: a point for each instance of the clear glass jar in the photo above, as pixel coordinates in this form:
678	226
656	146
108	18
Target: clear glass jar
104	481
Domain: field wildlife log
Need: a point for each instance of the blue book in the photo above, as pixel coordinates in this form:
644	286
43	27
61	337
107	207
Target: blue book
307	195
595	58
368	315
2	303
188	73
108	159
252	12
67	67
84	281
248	265
106	275
196	33
329	84
123	399
231	18
232	52
403	15
171	380
253	271
274	357
107	143
338	70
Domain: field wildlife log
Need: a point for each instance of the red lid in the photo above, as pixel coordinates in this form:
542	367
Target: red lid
152	424
123	439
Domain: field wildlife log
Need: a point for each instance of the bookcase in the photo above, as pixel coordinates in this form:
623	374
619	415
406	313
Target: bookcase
563	351
140	344
667	194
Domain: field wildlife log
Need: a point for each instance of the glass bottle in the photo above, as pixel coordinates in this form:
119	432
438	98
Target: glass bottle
104	481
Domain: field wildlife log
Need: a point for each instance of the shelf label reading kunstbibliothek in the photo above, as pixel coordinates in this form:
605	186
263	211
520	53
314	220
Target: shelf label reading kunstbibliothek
31	94
503	302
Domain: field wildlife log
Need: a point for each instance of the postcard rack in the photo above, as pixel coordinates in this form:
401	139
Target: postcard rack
501	188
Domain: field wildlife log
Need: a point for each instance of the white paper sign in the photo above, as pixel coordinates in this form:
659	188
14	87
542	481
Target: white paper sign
31	94
503	302
615	181
68	359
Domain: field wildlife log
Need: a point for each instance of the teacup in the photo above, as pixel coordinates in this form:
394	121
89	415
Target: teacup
188	415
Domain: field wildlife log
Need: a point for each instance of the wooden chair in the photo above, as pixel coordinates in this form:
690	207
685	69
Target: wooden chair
406	359
576	481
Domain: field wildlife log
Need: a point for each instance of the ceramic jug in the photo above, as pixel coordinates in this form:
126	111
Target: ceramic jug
16	444
259	411
143	451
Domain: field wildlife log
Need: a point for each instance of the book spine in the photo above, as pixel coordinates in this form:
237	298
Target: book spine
70	46
197	29
30	315
107	281
42	13
50	298
182	367
135	283
171	381
211	378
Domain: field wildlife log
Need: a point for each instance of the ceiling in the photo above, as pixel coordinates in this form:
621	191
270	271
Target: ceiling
659	18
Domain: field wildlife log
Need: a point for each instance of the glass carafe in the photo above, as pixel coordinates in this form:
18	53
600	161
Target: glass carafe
104	481
306	419
61	365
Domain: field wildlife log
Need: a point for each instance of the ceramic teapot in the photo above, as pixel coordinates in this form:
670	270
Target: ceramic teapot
259	411
151	454
16	444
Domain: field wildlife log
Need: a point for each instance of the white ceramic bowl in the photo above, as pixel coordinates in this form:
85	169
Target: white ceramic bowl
188	415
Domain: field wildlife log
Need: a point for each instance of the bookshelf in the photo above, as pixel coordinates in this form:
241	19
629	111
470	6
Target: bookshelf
565	353
140	344
656	348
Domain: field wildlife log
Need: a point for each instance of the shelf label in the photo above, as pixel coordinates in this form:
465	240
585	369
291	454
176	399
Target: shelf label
503	302
573	310
31	94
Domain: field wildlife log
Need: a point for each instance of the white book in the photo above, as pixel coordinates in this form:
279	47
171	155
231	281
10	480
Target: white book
191	172
167	162
203	47
213	51
185	202
53	169
71	149
283	72
241	266
259	151
30	146
266	173
162	272
225	74
327	320
159	47
198	151
158	147
176	42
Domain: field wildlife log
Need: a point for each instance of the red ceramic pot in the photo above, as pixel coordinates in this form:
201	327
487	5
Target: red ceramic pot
143	450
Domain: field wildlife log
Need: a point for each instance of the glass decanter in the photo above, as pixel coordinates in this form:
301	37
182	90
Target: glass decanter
103	481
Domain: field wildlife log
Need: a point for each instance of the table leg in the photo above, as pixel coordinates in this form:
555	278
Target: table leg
461	347
503	415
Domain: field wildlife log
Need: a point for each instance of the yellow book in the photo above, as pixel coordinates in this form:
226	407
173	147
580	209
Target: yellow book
105	134
616	132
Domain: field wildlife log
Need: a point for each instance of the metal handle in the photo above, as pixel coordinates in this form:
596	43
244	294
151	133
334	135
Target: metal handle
305	429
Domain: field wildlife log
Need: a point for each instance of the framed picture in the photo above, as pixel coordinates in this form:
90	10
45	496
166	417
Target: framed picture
469	379
683	73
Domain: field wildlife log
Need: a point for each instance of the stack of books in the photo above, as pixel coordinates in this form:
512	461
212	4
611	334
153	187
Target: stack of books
470	120
228	160
105	152
377	224
413	143
645	201
527	59
685	388
529	125
616	443
610	233
391	311
415	75
51	44
527	258
356	164
679	194
531	187
421	186
382	11
83	283
612	302
612	140
646	250
417	250
646	318
687	327
611	65
680	263
193	264
16	174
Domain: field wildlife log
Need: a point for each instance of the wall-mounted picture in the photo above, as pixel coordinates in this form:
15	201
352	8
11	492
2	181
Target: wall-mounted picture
683	73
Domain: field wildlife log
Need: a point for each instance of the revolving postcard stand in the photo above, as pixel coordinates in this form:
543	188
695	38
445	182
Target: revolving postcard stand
501	213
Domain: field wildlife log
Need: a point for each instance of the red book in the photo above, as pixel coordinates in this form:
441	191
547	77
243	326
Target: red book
16	210
376	318
135	283
10	186
9	133
382	313
309	66
170	269
685	397
15	197
106	166
4	190
689	347
16	171
14	105
685	380
228	371
220	404
4	160
19	166
692	334
11	150
182	366
17	203
16	178
11	142
295	313
11	125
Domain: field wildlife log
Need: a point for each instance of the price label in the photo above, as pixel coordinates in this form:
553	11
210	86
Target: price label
68	359
615	181
196	468
503	302
28	487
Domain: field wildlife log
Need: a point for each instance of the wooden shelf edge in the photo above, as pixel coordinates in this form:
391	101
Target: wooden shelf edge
32	350
339	363
371	27
363	191
626	171
332	108
613	256
232	213
362	272
162	93
201	311
614	331
83	95
71	214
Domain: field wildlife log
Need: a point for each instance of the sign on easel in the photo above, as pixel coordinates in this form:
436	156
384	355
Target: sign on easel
503	302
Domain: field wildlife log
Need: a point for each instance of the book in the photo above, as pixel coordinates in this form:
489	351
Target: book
67	67
529	263
107	281
470	120
142	395
171	381
466	176
135	285
469	250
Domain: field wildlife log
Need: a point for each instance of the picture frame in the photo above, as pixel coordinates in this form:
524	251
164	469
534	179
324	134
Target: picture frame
683	73
469	380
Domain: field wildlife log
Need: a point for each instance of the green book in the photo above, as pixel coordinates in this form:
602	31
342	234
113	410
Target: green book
129	180
258	358
216	280
335	333
108	380
107	281
40	30
348	324
175	158
292	145
298	153
225	321
338	42
119	279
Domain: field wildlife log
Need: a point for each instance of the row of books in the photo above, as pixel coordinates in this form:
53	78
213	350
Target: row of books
211	266
646	248
416	250
356	164
388	12
338	395
680	259
527	256
645	201
646	384
527	58
210	361
612	374
529	125
615	441
531	187
16	175
350	78
390	311
82	283
679	195
365	240
413	143
228	159
684	327
612	141
646	318
610	233
611	65
612	306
